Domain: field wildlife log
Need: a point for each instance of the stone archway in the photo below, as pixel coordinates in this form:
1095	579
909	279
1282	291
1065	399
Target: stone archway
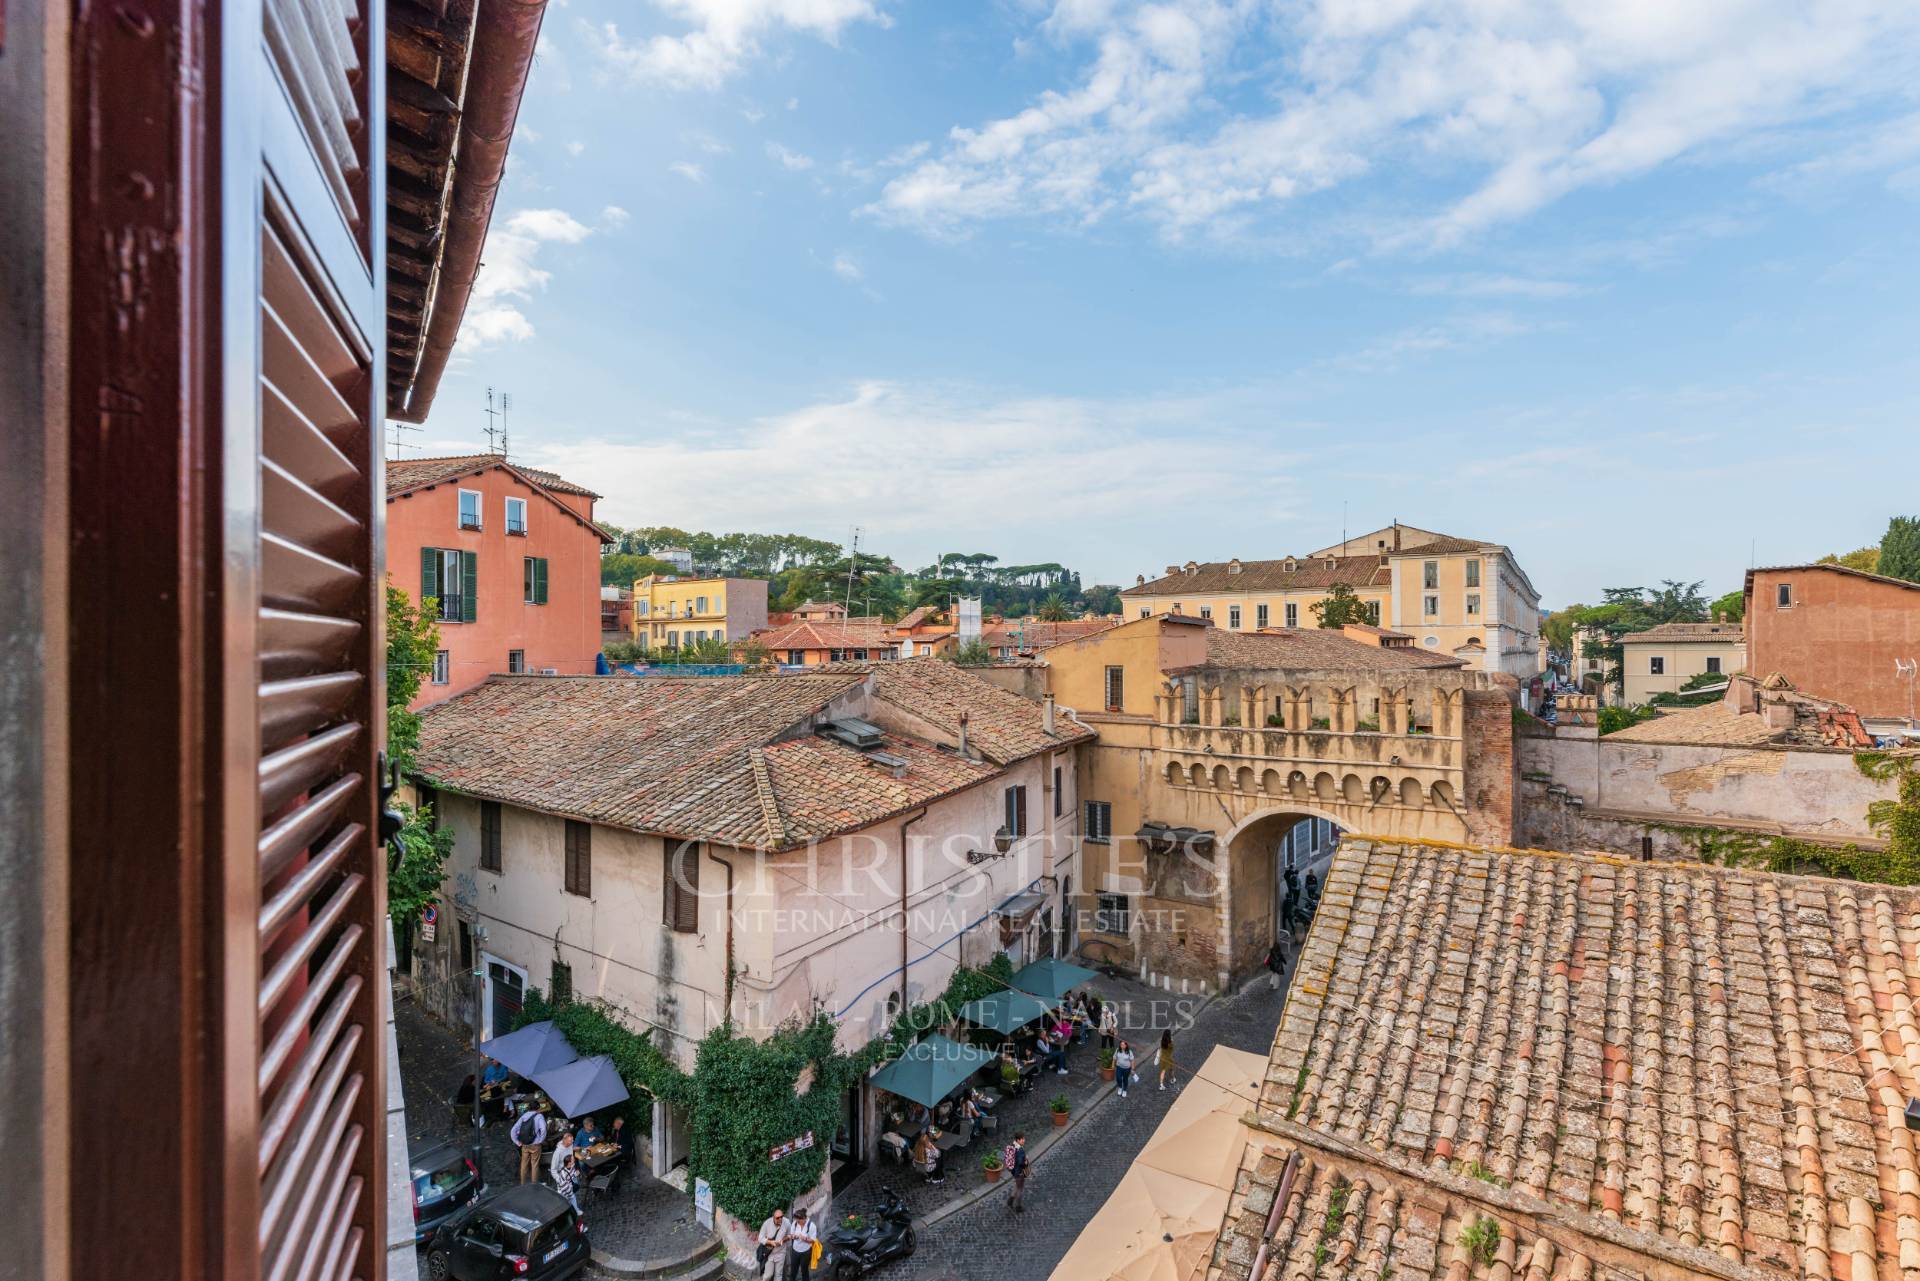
1249	891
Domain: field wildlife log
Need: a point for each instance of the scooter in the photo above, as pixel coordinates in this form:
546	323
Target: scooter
885	1234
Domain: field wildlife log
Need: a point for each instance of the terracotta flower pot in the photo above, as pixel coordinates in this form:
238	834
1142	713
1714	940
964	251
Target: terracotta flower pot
1060	1118
993	1174
1106	1074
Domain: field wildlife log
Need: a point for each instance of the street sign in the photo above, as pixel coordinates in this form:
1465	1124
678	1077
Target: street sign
428	916
703	1203
791	1146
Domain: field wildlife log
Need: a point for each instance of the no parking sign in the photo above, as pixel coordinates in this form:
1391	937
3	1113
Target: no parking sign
429	915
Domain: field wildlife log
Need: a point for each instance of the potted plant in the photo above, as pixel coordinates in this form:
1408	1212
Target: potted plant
1106	1063
1060	1106
990	1166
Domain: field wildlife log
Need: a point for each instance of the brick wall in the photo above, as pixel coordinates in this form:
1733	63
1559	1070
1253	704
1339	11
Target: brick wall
1488	735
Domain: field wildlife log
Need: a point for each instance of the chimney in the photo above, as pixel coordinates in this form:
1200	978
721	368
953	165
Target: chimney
1048	706
1172	571
1139	580
963	735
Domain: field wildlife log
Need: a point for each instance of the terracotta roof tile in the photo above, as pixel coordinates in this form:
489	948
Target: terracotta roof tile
1001	725
411	473
808	634
1270	576
1314	647
1033	633
1687	634
1687	1070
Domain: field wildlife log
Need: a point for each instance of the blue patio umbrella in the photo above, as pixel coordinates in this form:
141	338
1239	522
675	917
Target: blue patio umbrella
1052	978
1004	1011
931	1069
535	1048
584	1085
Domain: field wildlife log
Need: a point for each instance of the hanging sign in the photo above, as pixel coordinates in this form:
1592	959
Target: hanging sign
791	1146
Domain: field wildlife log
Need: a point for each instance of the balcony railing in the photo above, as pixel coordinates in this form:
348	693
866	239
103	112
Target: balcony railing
517	528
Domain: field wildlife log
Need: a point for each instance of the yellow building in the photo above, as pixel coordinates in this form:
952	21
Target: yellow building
670	612
1456	596
1663	659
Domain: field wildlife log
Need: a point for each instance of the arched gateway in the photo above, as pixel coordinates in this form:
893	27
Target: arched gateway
1212	744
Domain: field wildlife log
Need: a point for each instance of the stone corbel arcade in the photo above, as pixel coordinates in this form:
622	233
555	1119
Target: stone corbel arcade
1432	759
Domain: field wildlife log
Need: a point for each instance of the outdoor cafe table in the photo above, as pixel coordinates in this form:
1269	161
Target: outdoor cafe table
600	1154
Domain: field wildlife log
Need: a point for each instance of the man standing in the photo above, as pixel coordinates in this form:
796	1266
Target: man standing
1016	1163
800	1238
562	1156
529	1134
1109	1024
773	1235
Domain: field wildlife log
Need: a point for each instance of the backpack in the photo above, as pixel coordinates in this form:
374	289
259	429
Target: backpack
1007	1155
522	1132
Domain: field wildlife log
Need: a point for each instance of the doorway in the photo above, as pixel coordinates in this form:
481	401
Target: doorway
845	1157
504	998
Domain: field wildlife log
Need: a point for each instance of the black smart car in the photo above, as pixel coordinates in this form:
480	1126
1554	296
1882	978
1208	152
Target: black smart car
444	1181
524	1233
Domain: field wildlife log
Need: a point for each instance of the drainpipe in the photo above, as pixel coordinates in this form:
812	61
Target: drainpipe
905	867
728	986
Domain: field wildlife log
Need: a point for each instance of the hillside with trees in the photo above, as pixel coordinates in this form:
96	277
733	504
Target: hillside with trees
799	569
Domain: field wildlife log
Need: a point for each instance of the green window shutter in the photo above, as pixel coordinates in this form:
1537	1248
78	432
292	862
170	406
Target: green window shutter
429	572
540	580
526	580
469	586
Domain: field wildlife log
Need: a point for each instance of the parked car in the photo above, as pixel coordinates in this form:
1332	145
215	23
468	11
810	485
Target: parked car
524	1233
444	1182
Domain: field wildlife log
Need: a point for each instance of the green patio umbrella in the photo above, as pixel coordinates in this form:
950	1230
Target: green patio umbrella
1052	979
1004	1011
930	1070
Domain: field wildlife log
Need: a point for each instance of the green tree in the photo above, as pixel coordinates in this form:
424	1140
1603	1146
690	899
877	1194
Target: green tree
1625	610
1053	609
972	654
1864	559
413	637
1339	607
1732	607
1557	630
1900	549
1102	598
623	569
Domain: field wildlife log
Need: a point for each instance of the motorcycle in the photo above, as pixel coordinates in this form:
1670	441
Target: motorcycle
887	1233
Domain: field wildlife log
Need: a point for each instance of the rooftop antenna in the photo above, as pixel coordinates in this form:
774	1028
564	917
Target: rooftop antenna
853	561
394	443
497	432
1343	526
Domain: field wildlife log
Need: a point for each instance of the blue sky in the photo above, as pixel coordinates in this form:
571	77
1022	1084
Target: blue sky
1628	287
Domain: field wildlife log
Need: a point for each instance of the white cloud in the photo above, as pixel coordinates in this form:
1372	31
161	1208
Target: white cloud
724	35
576	148
614	216
1027	457
1482	286
846	268
1452	334
789	159
708	143
688	170
793	104
1507	105
509	275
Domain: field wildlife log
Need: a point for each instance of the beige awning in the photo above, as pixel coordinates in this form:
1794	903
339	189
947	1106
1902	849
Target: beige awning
1164	1216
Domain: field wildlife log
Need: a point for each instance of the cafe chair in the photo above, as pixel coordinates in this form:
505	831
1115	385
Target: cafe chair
926	1168
603	1183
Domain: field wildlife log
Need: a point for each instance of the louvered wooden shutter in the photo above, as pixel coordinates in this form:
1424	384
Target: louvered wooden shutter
540	580
579	856
1020	794
321	872
469	586
682	898
429	573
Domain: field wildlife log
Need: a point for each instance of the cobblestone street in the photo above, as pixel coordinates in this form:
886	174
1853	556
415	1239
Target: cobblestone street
1072	1179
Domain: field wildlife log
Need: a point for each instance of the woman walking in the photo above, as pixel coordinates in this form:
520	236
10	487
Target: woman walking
1123	1067
1166	1058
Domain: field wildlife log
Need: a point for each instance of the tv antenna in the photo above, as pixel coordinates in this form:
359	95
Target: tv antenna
394	442
497	432
853	563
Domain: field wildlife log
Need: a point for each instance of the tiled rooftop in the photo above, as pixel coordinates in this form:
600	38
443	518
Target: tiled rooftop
411	473
1635	1069
1314	647
1030	633
727	758
1270	576
1687	634
806	634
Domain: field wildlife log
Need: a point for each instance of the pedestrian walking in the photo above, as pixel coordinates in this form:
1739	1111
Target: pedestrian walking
773	1235
1123	1067
1276	964
1015	1159
562	1156
1166	1059
529	1134
801	1235
1109	1024
566	1175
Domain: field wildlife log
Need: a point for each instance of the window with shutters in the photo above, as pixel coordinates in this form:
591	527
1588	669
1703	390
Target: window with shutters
1059	796
1116	688
1016	810
469	509
1206	611
517	517
489	836
1260	616
1233	617
1473	573
452	578
560	985
1099	822
1293	615
442	667
579	855
1657	667
1473	604
534	577
1430	574
680	903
